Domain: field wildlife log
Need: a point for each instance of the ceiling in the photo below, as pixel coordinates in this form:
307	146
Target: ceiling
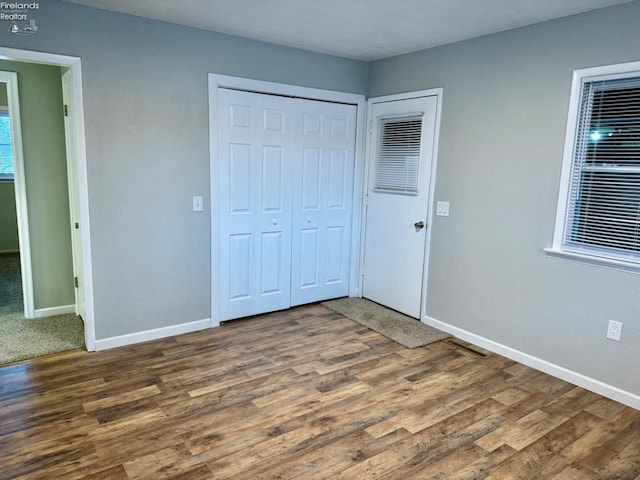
358	29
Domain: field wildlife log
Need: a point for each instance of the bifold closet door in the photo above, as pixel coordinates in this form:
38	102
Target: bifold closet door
255	148
286	170
323	171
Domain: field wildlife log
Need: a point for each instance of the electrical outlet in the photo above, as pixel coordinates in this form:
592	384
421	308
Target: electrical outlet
614	331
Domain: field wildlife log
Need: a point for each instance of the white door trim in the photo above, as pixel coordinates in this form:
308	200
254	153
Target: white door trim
438	93
81	169
72	183
223	81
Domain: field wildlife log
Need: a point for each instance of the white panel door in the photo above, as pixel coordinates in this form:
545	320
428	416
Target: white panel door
286	168
396	221
322	200
255	147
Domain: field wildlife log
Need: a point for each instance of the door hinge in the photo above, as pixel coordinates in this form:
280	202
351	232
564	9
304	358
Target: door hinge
75	281
66	110
77	225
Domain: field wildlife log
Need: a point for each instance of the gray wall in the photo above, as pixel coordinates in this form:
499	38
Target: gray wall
146	121
501	144
45	166
8	218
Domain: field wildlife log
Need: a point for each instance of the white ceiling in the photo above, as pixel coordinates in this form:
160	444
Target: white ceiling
360	29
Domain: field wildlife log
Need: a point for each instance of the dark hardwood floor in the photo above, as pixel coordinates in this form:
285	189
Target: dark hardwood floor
304	394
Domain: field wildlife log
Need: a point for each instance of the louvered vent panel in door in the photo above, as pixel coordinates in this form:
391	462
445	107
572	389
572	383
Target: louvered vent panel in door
398	157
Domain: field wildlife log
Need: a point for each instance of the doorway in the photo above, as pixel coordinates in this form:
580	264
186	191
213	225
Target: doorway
11	296
15	226
69	75
401	168
39	234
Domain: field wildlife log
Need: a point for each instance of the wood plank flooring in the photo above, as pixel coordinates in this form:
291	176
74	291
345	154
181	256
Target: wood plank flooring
304	394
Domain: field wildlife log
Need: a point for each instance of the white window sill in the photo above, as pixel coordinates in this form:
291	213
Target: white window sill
630	267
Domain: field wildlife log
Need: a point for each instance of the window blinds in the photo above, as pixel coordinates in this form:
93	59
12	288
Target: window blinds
398	155
603	214
6	148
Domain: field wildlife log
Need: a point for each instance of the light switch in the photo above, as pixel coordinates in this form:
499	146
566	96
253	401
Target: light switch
197	203
442	209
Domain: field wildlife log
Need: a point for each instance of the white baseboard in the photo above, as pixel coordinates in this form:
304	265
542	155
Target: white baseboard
49	312
156	333
588	383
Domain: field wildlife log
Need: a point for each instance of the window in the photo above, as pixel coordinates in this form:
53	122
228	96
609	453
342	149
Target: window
398	156
6	153
599	207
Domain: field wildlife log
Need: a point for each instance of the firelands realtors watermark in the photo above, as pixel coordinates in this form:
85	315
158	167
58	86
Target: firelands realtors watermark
20	16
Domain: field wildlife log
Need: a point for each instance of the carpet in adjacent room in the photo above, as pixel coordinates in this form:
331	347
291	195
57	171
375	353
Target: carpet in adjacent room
21	338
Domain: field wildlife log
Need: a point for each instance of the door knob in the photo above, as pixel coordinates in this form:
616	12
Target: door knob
419	225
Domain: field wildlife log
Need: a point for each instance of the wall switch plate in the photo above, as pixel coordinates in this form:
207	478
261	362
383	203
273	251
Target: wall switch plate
614	331
442	209
197	203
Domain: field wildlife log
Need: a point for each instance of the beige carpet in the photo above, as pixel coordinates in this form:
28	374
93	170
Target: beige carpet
22	339
404	330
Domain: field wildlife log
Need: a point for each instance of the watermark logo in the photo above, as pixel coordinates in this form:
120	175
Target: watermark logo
20	17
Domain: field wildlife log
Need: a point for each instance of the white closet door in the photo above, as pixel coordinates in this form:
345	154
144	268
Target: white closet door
286	171
255	147
323	171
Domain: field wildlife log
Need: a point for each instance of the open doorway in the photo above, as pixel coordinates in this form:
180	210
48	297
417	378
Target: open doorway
46	208
37	302
11	291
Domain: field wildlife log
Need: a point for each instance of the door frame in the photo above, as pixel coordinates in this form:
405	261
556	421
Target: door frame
79	165
217	82
72	183
433	92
